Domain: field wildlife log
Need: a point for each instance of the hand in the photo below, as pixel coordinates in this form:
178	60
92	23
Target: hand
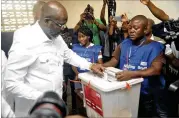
112	21
124	18
97	68
124	75
145	2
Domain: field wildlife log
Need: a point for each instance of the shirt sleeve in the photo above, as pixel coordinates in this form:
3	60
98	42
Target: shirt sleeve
16	70
73	59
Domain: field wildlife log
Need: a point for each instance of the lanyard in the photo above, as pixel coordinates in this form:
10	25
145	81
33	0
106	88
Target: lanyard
128	56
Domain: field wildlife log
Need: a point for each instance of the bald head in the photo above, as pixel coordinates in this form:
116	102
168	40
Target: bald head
149	26
54	10
140	18
37	10
151	21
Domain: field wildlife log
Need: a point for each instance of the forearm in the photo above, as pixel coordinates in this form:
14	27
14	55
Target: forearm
75	70
111	30
102	27
112	63
102	15
146	72
158	13
75	60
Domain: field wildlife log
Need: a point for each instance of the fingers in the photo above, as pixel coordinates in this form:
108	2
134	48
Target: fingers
119	75
98	69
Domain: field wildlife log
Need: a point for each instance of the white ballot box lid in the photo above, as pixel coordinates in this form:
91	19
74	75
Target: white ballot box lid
105	85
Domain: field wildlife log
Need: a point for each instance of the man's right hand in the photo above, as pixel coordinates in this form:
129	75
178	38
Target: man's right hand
97	68
145	2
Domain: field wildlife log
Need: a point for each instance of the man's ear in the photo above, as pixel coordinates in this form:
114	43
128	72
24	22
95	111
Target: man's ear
145	30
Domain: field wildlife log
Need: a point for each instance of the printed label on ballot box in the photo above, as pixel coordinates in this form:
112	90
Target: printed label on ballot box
93	99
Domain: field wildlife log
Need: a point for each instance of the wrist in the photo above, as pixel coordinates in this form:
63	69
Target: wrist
136	74
149	4
91	65
112	25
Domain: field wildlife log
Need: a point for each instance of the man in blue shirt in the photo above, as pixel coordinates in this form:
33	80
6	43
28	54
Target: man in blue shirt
139	57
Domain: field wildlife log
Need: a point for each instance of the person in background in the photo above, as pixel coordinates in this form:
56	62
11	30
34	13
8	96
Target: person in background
113	35
86	49
140	57
149	34
87	18
36	65
6	109
172	60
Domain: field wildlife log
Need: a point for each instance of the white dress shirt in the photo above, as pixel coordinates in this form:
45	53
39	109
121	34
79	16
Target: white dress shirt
35	65
6	109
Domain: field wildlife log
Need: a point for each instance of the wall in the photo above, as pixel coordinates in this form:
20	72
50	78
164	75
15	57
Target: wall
131	7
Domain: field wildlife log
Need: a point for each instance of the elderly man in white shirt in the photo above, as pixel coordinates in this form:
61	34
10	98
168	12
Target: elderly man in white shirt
35	65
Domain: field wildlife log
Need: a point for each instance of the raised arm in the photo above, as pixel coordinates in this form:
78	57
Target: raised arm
157	12
102	15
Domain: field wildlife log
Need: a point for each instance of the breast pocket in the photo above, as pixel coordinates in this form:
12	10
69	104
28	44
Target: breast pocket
43	64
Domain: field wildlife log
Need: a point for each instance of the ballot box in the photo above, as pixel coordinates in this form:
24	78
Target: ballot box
104	97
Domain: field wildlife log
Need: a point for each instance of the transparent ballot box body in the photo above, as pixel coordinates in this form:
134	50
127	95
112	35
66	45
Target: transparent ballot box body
104	97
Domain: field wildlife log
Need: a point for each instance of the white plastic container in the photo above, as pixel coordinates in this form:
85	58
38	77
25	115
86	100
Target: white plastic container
107	99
